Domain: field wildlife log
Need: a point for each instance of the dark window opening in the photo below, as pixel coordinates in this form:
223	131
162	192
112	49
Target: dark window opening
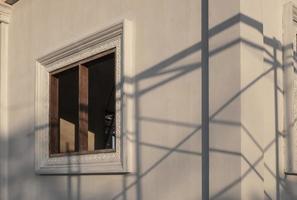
82	107
102	105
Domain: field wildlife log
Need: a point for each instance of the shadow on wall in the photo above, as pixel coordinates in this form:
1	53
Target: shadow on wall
163	68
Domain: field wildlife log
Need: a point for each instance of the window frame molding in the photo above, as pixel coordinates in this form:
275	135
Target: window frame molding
118	36
5	15
289	140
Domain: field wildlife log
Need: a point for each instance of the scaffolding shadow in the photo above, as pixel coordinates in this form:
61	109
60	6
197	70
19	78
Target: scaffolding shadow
172	73
163	68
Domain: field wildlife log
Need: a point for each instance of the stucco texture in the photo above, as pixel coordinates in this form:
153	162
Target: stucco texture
168	98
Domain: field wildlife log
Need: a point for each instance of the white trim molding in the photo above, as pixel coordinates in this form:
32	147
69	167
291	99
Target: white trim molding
290	87
5	12
120	38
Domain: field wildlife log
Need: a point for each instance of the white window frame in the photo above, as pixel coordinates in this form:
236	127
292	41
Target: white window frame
118	36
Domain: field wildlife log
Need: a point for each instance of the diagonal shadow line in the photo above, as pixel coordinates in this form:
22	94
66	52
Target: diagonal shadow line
261	48
267	195
231	185
192	133
292	124
253	167
176	69
270	44
280	90
268	145
257	46
176	57
269	170
225	122
281	184
224	47
199	154
273	42
169	122
234	20
214	150
143	91
272	62
234	123
246	42
185	69
221	48
235	182
216	51
188	68
240	92
159	161
231	99
241	155
169	148
223	151
182	71
177	146
212	32
252	137
288	46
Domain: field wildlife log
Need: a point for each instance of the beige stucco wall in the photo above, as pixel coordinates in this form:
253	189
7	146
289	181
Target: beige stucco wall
251	94
263	105
224	84
289	182
244	157
167	38
168	117
262	102
273	109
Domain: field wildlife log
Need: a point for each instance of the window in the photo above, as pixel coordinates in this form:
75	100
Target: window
84	105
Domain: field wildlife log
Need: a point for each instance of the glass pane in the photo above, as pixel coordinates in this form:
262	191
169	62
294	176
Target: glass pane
101	108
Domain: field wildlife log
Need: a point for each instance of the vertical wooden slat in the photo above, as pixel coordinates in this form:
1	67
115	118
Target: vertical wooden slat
54	146
83	108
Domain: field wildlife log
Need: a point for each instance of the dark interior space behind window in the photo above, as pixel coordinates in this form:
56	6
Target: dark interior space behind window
102	104
98	88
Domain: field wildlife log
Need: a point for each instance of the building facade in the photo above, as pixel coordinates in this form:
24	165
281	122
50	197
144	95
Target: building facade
157	45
